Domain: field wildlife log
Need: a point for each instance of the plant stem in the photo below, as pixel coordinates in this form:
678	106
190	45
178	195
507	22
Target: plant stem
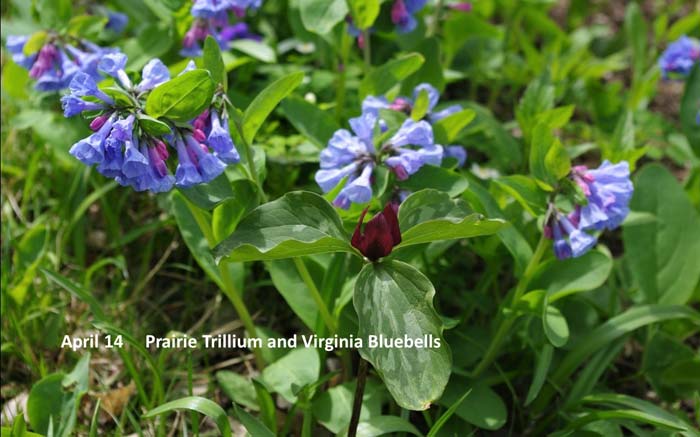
435	25
250	160
237	301
506	323
359	394
341	67
315	294
366	51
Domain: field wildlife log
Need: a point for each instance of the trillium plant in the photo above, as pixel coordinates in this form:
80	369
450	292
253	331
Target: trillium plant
458	197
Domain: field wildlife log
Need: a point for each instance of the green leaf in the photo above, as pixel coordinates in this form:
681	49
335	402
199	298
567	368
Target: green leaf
437	426
320	16
538	98
86	26
254	427
431	71
633	318
438	178
394	300
152	125
299	223
255	49
557	161
229	213
662	255
649	412
198	404
556	329
526	191
420	106
261	107
291	286
208	196
214	62
333	407
429	215
381	425
482	408
544	359
690	107
312	122
636	32
77	291
382	78
364	12
549	162
297	369
238	388
35	42
446	129
563	277
14	80
182	98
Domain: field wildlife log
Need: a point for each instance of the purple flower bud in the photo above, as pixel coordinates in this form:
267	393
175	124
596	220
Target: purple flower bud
379	235
99	121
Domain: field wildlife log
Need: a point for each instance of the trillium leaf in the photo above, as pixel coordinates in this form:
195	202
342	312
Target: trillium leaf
261	107
182	98
430	215
394	300
298	223
663	254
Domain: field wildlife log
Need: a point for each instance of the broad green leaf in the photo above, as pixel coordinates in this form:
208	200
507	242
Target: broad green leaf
333	407
438	178
214	62
291	286
152	125
537	99
364	12
196	241
297	369
549	162
487	134
14	80
238	388
255	49
317	125
86	26
394	300
447	129
254	427
483	407
320	16
208	196
227	214
261	107
382	78
690	108
183	97
662	255
544	359
563	277
299	223
431	71
557	161
429	215
526	191
383	425
198	404
661	354
556	329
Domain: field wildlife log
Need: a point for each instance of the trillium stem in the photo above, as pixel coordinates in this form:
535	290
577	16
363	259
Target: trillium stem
359	394
507	322
315	294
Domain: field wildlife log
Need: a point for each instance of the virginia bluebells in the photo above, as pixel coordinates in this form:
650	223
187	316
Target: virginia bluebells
679	57
353	155
123	148
402	14
608	190
58	60
212	18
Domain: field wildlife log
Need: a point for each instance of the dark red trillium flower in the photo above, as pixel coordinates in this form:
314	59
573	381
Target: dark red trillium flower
380	235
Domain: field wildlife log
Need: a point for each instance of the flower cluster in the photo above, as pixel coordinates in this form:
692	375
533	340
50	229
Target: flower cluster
58	60
353	155
124	148
402	14
212	18
405	104
679	57
608	190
